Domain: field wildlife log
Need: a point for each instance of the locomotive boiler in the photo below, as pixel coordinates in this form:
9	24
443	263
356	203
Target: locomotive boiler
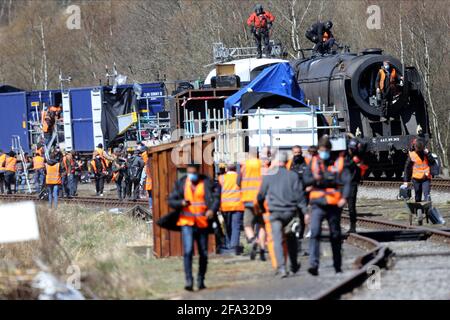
348	82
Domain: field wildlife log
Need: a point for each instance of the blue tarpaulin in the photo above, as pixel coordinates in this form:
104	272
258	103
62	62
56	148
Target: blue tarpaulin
278	81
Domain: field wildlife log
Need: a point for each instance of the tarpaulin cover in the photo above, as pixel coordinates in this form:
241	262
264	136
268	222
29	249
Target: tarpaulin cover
275	85
115	105
6	88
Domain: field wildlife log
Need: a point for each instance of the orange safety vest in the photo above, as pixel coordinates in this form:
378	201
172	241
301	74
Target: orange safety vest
53	175
10	164
2	161
325	36
195	212
392	78
44	122
230	199
38	163
421	169
144	156
308	158
40	151
289	164
251	179
94	167
332	195
148	178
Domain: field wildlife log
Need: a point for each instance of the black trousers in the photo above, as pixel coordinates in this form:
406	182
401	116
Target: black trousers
422	187
99	183
262	35
333	215
278	221
324	47
352	202
136	185
120	188
10	179
2	182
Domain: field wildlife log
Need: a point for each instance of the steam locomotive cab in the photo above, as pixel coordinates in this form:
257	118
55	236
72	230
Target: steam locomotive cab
348	81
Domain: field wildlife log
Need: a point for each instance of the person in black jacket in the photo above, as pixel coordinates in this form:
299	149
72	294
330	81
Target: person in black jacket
197	199
320	33
354	163
135	167
284	193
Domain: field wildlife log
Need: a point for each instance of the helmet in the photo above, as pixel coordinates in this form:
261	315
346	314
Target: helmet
328	25
353	144
259	9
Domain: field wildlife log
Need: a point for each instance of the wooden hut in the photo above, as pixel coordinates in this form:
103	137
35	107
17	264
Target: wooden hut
169	163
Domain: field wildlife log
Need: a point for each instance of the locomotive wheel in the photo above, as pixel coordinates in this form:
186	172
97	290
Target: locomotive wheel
389	174
377	174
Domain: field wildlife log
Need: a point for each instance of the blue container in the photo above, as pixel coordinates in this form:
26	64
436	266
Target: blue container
13	120
153	91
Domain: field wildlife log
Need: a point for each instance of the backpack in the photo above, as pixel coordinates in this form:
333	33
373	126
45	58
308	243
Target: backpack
435	169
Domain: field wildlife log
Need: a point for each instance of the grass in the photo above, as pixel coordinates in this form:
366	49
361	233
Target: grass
102	245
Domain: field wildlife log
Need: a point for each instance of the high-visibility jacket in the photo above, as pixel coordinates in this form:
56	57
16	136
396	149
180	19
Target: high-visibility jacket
148	178
382	74
98	170
250	179
40	151
2	161
66	162
308	158
10	164
144	156
230	199
260	21
421	169
289	164
38	163
332	195
53	175
325	36
195	212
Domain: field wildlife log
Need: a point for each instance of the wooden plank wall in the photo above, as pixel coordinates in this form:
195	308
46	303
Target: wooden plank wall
164	173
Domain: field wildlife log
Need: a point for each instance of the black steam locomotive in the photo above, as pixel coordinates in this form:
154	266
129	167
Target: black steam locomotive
347	81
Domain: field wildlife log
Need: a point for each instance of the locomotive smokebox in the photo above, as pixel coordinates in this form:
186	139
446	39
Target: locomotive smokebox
335	79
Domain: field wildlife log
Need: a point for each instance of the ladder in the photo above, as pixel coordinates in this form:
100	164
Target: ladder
17	148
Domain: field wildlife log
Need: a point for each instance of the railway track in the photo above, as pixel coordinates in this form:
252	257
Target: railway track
378	254
88	201
436	184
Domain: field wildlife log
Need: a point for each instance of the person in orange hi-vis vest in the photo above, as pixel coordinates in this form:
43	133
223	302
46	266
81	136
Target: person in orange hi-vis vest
283	191
39	172
196	200
330	180
231	206
10	171
249	180
386	84
2	171
53	172
417	170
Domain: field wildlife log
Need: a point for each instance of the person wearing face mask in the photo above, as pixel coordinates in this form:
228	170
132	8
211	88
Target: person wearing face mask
330	181
417	170
197	200
386	86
